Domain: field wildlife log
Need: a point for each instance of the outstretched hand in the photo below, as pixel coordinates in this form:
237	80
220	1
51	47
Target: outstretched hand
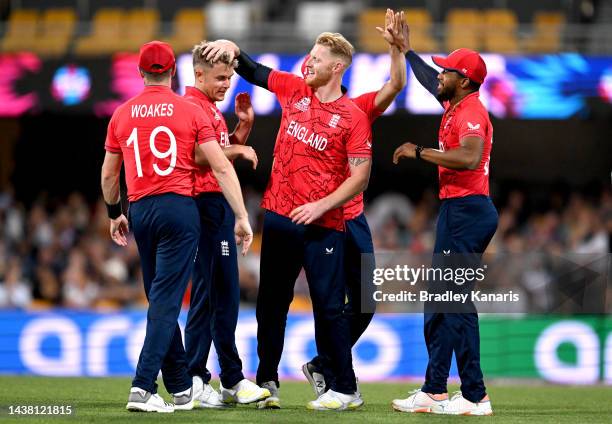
396	31
406	150
385	32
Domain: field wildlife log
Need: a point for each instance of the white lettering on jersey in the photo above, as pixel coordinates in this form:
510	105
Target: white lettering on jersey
224	142
152	111
472	126
303	104
302	134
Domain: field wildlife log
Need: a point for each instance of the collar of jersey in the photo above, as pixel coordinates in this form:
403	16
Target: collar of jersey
463	101
196	92
157	88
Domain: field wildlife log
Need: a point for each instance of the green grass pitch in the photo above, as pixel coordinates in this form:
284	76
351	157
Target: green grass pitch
102	400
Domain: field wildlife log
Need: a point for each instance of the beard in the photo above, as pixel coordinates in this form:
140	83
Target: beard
446	94
319	79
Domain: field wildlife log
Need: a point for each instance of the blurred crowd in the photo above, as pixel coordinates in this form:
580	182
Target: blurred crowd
58	253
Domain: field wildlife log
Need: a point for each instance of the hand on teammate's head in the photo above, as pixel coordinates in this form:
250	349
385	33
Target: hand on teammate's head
216	48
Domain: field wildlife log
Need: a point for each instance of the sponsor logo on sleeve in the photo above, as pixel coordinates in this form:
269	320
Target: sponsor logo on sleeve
303	104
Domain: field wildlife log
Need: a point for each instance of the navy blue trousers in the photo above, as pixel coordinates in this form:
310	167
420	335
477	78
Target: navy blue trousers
215	293
167	229
286	248
358	259
465	226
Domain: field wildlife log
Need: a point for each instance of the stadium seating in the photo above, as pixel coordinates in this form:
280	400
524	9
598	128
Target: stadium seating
139	27
368	38
105	34
547	30
51	30
229	19
57	30
189	27
22	31
464	29
500	31
314	18
419	21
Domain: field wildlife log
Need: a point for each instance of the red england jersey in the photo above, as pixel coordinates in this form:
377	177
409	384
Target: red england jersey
205	180
467	118
156	131
312	147
366	102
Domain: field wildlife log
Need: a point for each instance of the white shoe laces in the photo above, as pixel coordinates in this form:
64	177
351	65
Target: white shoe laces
161	399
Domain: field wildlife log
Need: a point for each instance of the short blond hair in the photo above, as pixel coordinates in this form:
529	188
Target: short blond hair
338	45
199	60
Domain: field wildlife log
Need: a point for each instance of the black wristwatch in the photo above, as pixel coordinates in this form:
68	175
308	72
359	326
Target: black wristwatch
417	151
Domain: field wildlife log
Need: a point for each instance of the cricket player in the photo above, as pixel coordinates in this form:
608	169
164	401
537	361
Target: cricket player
358	244
215	292
322	134
155	134
466	223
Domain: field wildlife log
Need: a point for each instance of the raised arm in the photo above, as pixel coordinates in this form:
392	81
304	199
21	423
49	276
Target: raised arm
425	74
394	35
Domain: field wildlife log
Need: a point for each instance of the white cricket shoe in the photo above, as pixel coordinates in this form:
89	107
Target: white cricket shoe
315	378
334	401
272	402
185	400
206	396
419	401
358	401
244	392
141	400
458	405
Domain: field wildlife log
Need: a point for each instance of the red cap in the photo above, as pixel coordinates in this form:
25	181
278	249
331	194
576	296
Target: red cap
156	57
465	61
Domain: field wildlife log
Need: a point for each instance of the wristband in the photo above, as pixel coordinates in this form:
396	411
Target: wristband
417	151
114	211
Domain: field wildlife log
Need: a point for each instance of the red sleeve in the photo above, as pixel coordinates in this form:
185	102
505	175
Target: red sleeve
112	144
205	131
367	103
472	123
359	144
284	84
